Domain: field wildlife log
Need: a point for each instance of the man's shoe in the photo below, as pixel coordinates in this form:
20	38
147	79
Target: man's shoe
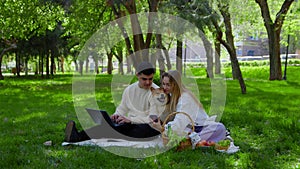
71	133
227	132
228	137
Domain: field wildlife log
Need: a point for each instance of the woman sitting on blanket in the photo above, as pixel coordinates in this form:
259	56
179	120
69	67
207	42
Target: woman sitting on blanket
182	100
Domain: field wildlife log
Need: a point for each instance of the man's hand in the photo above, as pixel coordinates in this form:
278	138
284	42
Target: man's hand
122	119
114	117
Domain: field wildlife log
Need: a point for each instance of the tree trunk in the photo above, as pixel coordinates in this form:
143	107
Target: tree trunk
120	60
209	55
179	56
26	66
166	54
121	70
81	67
217	57
229	44
1	75
153	8
18	63
119	14
77	69
138	39
54	53
96	60
62	61
275	60
42	65
36	72
41	62
47	65
87	65
109	63
160	54
274	30
218	38
129	64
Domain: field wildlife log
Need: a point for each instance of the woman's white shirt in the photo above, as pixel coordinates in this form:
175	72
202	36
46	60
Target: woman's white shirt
187	104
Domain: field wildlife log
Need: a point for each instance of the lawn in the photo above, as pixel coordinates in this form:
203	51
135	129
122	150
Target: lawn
265	123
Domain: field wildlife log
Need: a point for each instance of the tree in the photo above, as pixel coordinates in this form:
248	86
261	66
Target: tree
7	46
201	13
139	43
178	8
83	19
24	19
229	44
11	30
118	13
291	28
274	30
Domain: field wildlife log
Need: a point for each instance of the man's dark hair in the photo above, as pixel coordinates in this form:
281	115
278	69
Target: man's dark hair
145	68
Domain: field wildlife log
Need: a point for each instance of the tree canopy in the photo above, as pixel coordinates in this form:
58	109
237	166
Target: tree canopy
72	23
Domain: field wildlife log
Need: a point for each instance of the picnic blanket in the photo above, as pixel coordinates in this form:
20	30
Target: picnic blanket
108	142
156	143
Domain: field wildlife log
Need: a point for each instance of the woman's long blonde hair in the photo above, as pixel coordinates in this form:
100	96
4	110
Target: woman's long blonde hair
177	89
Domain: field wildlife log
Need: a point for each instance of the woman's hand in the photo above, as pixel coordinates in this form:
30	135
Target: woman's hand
156	125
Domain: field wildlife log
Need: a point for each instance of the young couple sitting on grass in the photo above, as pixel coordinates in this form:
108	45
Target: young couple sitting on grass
134	114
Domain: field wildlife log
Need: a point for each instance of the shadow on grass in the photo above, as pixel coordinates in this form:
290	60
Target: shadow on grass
264	123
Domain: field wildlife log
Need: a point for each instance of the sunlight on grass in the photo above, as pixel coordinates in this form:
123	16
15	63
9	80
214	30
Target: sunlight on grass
56	153
29	116
264	123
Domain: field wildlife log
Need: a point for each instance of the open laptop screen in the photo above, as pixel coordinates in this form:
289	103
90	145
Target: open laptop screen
99	115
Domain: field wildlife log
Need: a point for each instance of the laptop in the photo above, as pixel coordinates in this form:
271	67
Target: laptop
98	115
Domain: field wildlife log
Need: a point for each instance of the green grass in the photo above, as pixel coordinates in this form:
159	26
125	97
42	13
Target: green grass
265	123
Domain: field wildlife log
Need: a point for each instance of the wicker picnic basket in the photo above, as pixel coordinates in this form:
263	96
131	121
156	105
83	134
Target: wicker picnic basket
186	143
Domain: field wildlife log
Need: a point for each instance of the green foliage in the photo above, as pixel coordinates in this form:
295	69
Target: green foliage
156	79
84	19
23	19
264	123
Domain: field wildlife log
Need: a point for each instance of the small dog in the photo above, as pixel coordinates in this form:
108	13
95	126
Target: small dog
158	102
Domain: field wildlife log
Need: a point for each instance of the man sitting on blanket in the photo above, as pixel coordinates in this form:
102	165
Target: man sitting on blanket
132	112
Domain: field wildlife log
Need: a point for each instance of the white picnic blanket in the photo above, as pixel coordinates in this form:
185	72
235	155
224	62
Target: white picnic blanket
108	142
158	143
